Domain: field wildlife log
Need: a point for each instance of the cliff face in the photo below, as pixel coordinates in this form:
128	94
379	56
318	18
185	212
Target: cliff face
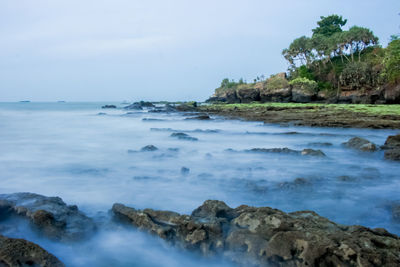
270	91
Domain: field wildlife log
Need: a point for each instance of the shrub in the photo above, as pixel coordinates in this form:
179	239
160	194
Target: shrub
277	81
304	84
357	75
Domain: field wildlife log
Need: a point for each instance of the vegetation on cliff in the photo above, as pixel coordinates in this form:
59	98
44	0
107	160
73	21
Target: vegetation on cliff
332	63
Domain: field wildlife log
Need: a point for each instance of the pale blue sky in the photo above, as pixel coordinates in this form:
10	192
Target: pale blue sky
113	50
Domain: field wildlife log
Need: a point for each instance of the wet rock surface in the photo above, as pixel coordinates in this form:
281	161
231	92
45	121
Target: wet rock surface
392	146
183	136
360	144
285	150
109	106
267	237
49	215
19	252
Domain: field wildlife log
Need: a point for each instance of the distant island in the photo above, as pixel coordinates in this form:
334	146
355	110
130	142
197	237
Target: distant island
331	66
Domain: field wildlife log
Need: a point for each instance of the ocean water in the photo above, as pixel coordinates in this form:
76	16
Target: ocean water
91	159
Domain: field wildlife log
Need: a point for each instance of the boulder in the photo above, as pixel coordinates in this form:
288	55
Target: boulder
264	236
360	144
136	106
49	215
392	154
392	142
200	117
301	95
19	252
228	95
392	93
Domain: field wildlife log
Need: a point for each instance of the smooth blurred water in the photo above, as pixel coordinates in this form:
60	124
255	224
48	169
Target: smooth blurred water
69	150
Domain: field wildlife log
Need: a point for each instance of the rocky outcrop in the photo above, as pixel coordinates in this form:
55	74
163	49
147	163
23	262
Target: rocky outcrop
301	95
49	215
276	95
360	144
267	237
248	95
392	147
140	105
149	148
19	252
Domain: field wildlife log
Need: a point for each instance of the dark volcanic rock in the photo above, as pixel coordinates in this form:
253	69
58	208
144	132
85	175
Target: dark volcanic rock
19	252
109	106
50	215
326	144
360	144
183	136
267	237
149	148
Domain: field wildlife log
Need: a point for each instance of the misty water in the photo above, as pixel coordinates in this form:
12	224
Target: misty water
91	159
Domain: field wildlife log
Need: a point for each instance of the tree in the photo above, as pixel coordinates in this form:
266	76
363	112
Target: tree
358	39
327	26
299	50
391	61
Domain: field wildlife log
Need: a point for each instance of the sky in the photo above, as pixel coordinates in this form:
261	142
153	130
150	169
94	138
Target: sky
116	50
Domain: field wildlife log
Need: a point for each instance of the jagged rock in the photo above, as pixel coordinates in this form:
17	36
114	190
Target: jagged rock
276	95
312	152
187	106
50	215
360	144
19	252
392	142
392	154
134	106
301	95
149	148
267	237
183	136
109	106
248	95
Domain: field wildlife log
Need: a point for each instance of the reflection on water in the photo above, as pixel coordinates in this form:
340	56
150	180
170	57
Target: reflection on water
68	150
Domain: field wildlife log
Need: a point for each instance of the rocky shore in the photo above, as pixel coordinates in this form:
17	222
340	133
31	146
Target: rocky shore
305	115
248	236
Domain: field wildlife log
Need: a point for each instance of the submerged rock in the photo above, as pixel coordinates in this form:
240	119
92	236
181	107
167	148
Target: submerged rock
183	136
19	252
49	215
149	148
185	171
360	144
393	154
267	237
134	106
285	150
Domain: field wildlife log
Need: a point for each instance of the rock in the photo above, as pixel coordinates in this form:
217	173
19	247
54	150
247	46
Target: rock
136	106
185	171
248	95
149	148
264	236
229	96
396	212
274	150
360	144
19	252
183	136
392	154
295	184
187	106
109	106
276	95
200	117
312	152
101	113
49	215
392	93
325	144
301	95
393	141
285	150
